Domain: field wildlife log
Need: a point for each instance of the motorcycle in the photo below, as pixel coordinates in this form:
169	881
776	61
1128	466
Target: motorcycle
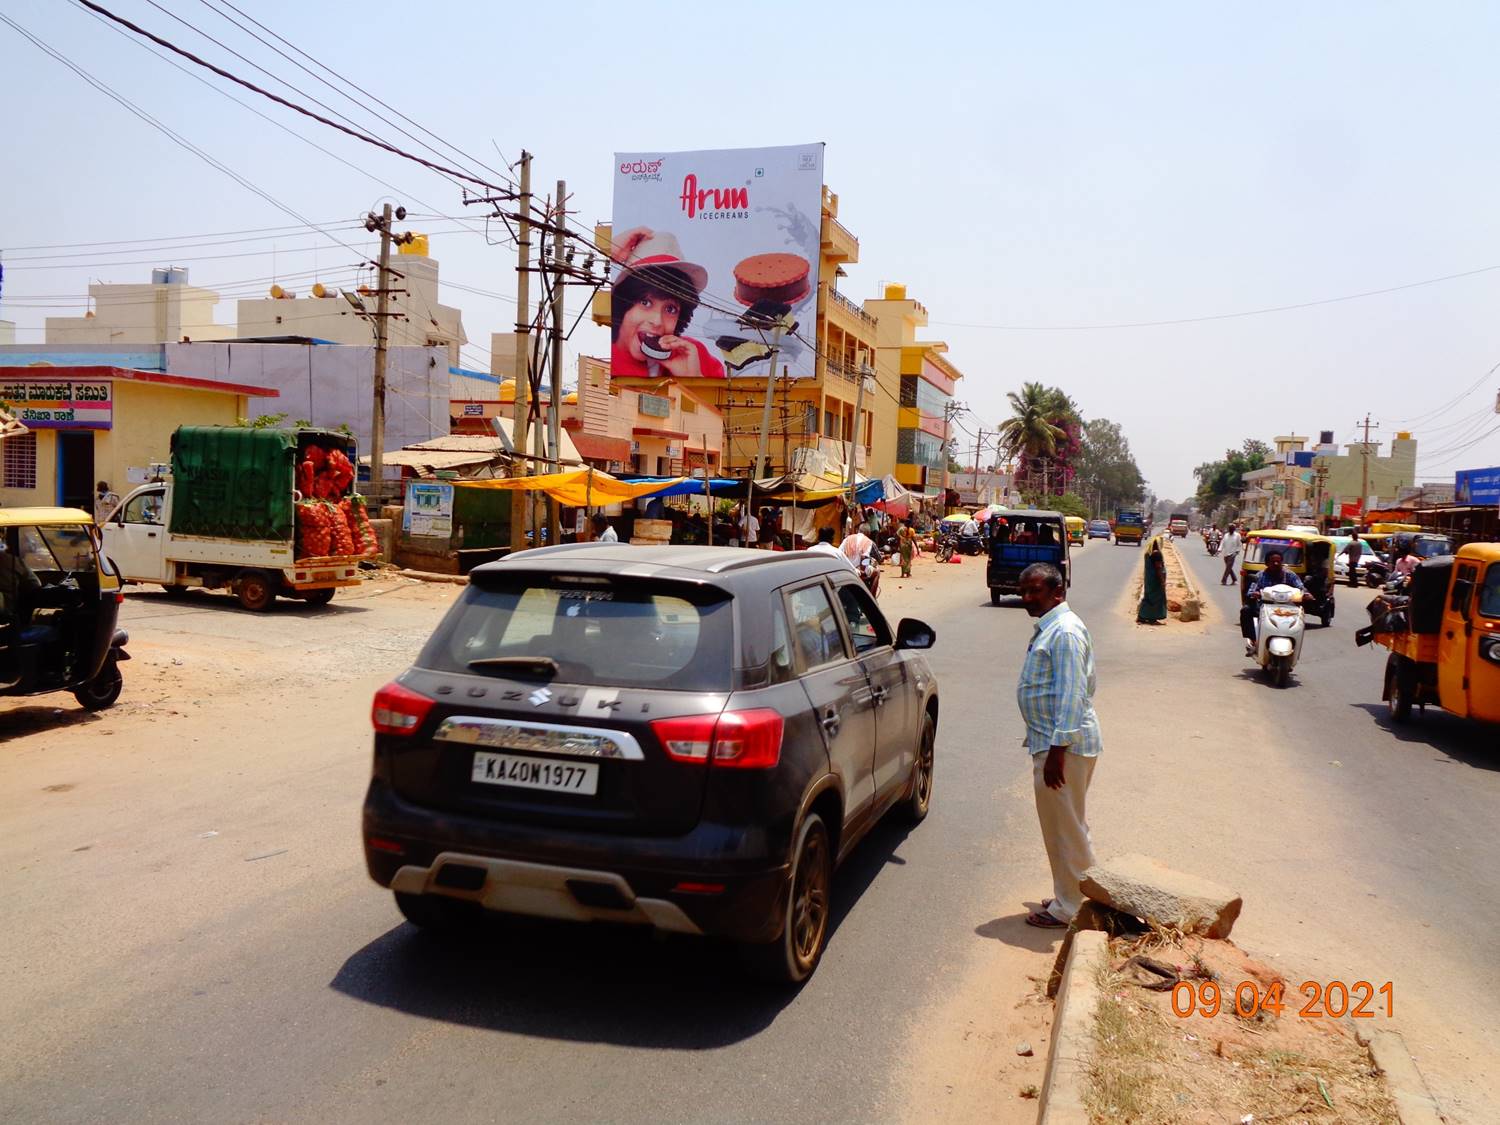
945	548
869	573
970	545
1280	624
1213	540
1377	573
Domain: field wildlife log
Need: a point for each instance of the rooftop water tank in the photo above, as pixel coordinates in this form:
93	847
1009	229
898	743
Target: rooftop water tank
172	275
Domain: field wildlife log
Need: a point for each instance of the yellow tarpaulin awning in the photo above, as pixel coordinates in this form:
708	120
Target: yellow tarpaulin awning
578	487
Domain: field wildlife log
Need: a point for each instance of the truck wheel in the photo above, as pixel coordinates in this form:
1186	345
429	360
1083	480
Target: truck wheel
255	590
994	596
318	597
176	593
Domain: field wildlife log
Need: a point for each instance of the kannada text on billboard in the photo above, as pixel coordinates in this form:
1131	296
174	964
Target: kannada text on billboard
716	260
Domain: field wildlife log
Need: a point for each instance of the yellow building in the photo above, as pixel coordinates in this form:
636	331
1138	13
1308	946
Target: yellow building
815	414
916	387
87	424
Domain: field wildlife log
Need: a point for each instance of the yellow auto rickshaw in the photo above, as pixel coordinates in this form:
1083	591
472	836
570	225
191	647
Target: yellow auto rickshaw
1077	530
59	601
1309	557
1444	636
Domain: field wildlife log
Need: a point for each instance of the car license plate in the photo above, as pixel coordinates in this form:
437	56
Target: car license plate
536	773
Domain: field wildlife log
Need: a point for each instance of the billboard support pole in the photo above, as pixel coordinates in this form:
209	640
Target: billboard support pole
522	376
763	445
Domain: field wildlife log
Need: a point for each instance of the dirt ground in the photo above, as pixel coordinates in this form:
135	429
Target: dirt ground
1160	1056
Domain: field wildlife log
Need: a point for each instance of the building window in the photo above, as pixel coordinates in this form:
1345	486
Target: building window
20	461
689	406
828	430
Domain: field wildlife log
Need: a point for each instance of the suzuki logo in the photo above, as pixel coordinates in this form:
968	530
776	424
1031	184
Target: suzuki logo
538	697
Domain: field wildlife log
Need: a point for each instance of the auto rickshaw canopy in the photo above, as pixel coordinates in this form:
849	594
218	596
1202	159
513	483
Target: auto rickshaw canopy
31	517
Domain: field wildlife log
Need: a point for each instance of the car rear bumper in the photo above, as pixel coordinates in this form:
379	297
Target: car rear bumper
710	881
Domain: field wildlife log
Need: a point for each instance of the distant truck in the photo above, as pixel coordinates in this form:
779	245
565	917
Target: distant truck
1130	526
226	516
1179	525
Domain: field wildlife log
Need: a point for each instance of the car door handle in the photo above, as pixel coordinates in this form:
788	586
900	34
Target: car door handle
150	535
831	722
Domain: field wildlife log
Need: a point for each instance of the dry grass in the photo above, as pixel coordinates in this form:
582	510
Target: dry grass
1150	1065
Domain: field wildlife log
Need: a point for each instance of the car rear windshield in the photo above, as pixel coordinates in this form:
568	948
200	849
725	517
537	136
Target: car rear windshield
597	631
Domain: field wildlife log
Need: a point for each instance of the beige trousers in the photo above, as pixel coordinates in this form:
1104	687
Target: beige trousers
1065	829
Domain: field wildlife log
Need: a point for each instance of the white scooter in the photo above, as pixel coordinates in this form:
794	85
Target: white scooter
1278	632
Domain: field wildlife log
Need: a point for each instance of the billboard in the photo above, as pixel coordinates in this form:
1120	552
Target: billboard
1477	486
716	257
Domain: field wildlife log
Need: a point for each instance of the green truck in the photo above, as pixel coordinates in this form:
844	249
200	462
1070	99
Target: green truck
225	516
1130	526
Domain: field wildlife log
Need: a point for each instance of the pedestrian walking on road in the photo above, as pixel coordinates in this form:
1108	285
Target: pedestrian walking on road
1352	551
1056	697
906	545
1231	549
1153	607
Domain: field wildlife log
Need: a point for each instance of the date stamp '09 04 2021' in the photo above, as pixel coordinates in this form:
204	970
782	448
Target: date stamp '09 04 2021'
1332	1000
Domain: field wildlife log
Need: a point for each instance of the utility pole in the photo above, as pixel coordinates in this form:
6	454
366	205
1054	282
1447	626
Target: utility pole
859	405
377	409
949	411
1364	453
519	418
554	400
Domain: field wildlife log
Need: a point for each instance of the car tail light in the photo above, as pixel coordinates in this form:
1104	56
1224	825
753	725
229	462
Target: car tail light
398	710
738	739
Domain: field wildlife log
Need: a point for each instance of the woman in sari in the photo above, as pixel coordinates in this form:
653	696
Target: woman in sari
906	546
1153	607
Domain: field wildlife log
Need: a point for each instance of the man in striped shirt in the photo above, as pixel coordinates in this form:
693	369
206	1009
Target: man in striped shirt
1056	697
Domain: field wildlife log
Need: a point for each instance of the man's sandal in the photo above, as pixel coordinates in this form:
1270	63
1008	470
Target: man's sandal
1043	920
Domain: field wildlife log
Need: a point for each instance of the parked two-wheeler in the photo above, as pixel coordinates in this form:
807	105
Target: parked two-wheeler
869	573
1279	626
970	545
1377	572
945	548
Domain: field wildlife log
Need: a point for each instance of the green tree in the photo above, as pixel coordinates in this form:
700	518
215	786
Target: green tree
1107	472
1030	432
1219	482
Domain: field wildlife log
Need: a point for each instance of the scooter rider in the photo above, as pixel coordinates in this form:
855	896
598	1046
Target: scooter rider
1274	575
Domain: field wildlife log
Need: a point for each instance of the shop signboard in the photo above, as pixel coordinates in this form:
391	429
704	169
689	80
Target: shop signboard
60	404
429	509
716	259
1477	486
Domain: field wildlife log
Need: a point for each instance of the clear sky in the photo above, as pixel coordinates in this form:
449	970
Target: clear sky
1041	167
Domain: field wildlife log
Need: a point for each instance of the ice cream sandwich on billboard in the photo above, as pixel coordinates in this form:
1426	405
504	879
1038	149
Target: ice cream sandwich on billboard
716	256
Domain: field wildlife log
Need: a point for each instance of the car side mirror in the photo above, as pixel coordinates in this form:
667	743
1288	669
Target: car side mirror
914	634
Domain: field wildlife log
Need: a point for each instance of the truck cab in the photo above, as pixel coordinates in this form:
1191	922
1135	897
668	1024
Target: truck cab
1130	527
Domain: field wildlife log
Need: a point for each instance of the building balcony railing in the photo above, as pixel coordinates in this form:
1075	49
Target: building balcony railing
842	370
850	307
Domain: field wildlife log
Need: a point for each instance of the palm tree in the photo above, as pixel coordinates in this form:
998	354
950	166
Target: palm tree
1030	431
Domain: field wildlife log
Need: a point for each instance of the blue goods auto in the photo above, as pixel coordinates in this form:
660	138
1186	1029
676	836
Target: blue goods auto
1020	538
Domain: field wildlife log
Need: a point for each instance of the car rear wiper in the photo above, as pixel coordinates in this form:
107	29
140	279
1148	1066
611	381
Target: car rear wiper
542	666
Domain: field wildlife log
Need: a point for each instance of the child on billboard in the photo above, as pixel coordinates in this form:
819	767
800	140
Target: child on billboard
654	297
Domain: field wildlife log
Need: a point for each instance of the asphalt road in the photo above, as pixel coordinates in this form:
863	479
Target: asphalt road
189	932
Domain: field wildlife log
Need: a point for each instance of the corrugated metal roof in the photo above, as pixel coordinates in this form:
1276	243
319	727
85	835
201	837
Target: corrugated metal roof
436	459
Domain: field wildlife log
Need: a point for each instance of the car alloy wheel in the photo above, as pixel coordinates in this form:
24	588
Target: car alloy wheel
797	949
808	922
920	800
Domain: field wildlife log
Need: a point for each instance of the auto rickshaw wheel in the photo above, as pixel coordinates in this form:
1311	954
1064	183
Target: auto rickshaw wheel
103	689
318	597
1399	689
